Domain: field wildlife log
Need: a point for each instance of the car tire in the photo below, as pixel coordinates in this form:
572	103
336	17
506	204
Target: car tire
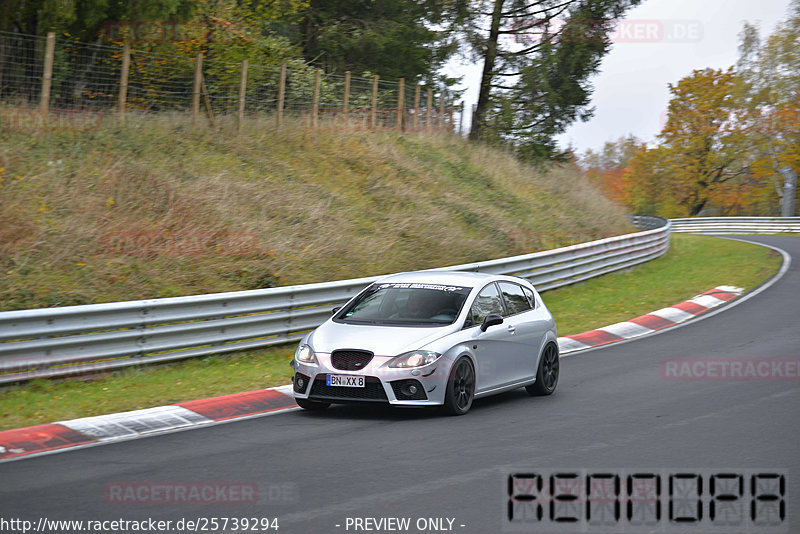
547	374
314	406
460	388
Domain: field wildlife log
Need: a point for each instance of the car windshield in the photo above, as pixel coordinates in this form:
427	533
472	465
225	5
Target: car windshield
407	304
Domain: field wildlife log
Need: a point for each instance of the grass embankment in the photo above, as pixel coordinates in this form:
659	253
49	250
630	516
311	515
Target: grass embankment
155	208
693	264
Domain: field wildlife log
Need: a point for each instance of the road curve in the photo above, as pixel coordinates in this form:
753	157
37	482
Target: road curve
613	410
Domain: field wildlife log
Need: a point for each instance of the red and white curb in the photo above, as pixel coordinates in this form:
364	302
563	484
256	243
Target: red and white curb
88	431
128	425
647	324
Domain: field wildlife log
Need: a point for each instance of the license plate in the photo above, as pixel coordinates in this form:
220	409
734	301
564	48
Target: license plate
348	381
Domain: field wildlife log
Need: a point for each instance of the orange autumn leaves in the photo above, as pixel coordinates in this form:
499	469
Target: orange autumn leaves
728	139
715	155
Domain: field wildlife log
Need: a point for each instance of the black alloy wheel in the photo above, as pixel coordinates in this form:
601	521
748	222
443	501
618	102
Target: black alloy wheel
547	374
460	388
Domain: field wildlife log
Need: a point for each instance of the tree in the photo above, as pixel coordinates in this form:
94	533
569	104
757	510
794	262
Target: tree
731	136
607	168
84	19
703	146
535	70
770	73
396	38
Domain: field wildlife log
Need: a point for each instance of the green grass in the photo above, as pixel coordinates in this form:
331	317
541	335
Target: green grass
694	264
155	208
46	401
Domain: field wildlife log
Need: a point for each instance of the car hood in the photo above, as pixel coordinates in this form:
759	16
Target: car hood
380	340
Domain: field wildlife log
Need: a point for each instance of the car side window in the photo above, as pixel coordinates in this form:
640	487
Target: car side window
529	294
515	298
487	302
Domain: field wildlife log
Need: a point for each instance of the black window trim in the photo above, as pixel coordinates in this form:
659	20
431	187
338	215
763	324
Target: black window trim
505	304
535	303
469	310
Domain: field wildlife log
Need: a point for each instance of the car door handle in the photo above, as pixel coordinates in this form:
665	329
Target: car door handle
511	329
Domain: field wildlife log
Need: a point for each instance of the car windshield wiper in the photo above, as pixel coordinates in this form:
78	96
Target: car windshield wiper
358	321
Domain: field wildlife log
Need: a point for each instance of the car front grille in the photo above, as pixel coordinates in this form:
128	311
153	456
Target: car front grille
350	360
371	392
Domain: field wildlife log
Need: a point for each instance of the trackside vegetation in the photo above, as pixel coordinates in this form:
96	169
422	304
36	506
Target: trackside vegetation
155	208
692	265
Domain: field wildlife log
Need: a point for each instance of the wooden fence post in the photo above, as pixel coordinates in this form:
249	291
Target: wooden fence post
429	121
198	73
281	95
48	72
416	107
315	103
472	116
123	82
346	103
242	95
441	121
401	95
207	100
374	101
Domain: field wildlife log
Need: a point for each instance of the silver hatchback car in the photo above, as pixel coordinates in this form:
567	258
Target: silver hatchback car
430	338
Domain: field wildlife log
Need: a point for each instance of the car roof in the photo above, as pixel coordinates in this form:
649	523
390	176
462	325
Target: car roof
459	278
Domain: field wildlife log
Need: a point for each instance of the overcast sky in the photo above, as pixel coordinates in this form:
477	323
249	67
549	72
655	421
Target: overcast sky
659	42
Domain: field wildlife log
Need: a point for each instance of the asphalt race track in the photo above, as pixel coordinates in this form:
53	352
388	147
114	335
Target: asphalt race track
614	412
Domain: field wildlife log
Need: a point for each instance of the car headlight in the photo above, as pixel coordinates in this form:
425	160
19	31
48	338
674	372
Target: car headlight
415	358
305	354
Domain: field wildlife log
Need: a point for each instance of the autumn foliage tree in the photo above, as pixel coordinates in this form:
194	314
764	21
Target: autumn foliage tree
731	136
702	149
770	72
607	168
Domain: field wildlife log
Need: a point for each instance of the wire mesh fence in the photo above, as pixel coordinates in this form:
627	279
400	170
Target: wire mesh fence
61	77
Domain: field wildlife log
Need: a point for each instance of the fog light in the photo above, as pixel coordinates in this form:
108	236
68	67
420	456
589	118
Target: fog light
408	389
301	381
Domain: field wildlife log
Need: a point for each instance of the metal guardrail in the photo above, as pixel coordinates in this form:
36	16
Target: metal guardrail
75	340
736	225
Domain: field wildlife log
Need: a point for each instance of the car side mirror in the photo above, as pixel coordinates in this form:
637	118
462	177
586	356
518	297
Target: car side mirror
491	320
336	309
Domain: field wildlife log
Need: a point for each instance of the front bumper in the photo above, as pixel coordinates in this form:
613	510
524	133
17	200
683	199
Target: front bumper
419	386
